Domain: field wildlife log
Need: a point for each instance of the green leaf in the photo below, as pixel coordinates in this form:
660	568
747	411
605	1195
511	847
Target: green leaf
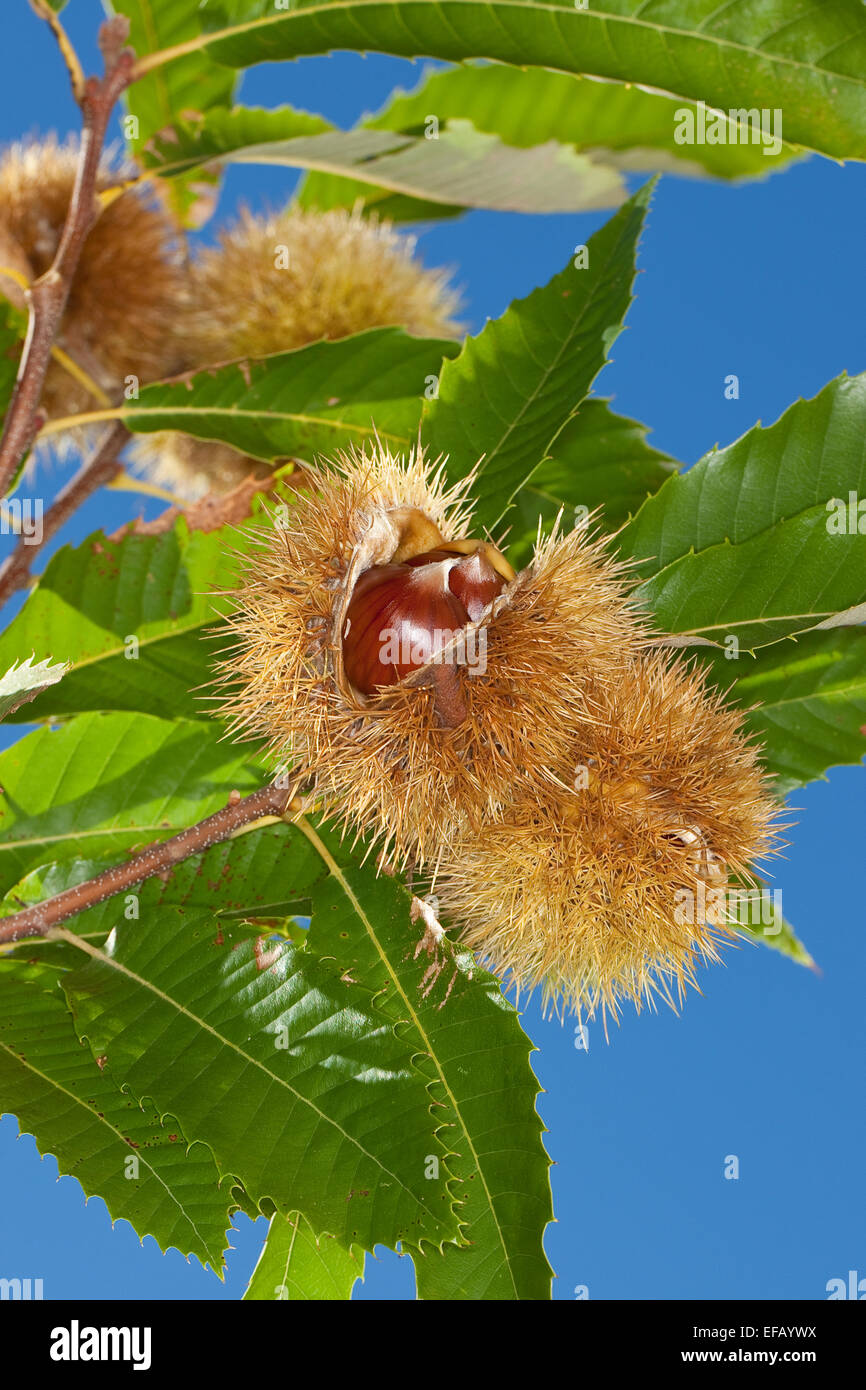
614	127
601	464
514	386
244	134
108	783
192	84
451	1015
132	618
746	543
464	167
805	701
267	1059
76	1112
476	1054
22	683
741	55
295	1263
313	400
756	914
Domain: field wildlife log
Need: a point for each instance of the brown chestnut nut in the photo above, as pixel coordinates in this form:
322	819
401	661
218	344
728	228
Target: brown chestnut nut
400	616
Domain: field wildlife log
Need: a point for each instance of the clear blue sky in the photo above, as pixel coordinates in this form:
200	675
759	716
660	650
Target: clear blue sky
764	280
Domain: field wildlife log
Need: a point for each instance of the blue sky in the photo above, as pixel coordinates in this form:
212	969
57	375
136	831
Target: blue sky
765	281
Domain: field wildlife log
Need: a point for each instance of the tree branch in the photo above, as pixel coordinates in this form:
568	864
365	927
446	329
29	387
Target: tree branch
155	859
47	296
100	468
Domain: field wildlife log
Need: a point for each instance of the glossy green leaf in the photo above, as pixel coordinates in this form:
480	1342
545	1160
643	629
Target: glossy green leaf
295	1263
461	1032
810	64
145	1171
508	395
755	914
269	1058
241	133
464	167
407	175
470	1043
806	701
133	618
106	783
616	128
760	541
301	404
601	464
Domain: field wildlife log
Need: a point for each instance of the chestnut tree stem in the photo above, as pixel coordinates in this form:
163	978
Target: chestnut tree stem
156	858
47	296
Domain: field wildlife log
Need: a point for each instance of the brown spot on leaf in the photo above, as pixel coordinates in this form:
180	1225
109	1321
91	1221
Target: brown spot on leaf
265	959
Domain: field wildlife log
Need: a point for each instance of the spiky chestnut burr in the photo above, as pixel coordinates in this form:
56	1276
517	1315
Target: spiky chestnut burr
128	288
410	760
615	886
276	283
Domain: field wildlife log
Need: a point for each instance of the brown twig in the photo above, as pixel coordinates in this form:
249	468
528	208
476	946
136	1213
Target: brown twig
47	296
156	858
101	468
